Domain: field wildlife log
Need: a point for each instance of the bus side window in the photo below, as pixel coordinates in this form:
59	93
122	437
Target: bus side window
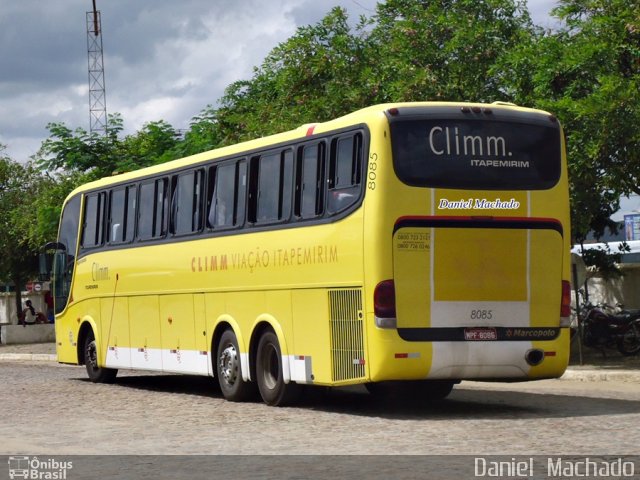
160	217
94	220
222	199
344	173
152	213
117	208
227	187
271	187
122	204
197	218
145	212
286	185
130	213
310	181
186	205
241	193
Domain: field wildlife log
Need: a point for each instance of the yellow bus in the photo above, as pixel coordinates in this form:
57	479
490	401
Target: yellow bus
404	246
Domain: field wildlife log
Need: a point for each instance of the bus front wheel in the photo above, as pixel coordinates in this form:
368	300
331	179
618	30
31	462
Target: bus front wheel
273	390
96	373
229	370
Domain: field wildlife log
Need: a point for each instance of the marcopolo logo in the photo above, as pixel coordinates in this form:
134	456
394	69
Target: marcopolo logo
35	468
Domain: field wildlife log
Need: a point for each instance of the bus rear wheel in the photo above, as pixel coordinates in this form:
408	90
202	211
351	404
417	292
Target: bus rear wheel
273	390
229	370
96	373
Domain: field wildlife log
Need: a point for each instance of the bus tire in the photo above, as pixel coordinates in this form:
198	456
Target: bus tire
96	373
229	370
434	390
273	390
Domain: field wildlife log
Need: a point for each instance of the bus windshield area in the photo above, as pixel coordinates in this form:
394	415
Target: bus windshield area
64	259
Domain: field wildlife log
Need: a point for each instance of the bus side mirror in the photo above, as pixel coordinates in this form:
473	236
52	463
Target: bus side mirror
46	262
59	264
46	259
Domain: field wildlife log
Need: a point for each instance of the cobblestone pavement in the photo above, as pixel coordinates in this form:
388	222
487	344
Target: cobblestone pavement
53	409
34	348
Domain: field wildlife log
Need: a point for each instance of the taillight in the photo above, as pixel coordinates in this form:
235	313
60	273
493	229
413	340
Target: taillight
565	306
384	300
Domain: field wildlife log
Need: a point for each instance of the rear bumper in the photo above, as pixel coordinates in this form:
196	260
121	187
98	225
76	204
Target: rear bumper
467	360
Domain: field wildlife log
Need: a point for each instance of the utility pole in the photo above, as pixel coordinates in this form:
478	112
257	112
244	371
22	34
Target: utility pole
97	95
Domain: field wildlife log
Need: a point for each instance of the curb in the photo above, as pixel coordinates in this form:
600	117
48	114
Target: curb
37	357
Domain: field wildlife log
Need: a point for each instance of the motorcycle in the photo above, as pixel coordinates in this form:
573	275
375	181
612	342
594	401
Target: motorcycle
608	330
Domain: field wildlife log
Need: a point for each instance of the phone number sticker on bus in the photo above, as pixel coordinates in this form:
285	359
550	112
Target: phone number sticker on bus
413	241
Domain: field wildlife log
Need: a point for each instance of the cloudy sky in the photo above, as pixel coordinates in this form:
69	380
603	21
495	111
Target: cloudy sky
163	59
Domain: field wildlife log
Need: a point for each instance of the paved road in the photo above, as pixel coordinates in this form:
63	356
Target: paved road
53	409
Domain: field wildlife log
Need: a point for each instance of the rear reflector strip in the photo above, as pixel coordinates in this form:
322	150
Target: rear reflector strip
525	223
565	307
407	355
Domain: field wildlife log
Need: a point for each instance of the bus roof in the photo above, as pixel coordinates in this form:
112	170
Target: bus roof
365	115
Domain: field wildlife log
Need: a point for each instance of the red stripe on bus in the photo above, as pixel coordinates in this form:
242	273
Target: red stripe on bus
471	218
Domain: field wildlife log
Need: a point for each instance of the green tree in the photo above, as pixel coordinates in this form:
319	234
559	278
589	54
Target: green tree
445	49
409	50
81	151
20	186
41	210
313	76
588	74
203	134
97	155
154	143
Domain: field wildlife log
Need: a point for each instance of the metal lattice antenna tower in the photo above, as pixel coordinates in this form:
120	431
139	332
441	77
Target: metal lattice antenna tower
97	95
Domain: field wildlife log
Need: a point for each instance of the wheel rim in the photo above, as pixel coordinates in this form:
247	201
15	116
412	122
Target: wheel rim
271	370
229	366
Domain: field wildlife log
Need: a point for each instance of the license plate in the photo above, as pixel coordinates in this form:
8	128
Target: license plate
479	334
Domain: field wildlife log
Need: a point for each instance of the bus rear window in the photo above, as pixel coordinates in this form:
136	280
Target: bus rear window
476	154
